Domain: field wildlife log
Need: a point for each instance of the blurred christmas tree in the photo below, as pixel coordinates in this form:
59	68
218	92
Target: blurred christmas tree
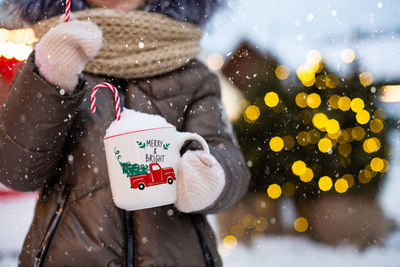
311	133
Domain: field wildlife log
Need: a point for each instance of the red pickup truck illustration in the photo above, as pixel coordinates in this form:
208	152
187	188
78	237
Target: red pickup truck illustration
156	176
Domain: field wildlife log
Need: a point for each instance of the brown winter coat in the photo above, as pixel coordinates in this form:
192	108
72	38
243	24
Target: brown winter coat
53	143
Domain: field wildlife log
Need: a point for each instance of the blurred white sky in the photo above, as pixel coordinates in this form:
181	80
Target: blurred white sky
290	28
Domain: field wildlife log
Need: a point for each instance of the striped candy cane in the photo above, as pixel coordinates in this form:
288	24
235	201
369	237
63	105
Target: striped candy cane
116	97
67	11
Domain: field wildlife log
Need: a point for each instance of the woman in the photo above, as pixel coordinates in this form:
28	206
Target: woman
50	141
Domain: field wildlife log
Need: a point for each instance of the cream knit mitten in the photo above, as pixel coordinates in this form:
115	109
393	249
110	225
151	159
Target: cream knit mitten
200	181
62	53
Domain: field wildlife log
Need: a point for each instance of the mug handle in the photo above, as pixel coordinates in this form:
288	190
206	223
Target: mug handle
184	136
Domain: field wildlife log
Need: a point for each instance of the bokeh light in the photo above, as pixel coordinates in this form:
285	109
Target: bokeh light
344	103
276	144
299	167
271	99
366	78
357	104
331	81
252	113
341	185
332	126
313	100
347	55
324	145
230	242
358	133
288	142
333	101
325	183
363	117
274	191
376	125
307	176
300	224
282	72
349	179
301	100
377	164
319	120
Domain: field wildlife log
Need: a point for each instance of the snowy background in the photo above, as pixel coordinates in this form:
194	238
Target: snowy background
288	29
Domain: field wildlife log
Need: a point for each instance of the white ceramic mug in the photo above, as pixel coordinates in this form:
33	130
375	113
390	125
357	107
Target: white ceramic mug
142	165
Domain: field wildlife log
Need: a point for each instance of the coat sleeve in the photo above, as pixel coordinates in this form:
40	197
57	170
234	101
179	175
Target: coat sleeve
34	123
206	116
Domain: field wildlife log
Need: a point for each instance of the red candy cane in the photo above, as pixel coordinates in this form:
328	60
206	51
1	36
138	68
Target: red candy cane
116	97
67	11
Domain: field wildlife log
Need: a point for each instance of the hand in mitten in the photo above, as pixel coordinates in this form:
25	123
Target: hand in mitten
200	181
62	53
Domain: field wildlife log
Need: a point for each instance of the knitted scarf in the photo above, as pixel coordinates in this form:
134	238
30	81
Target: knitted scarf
136	44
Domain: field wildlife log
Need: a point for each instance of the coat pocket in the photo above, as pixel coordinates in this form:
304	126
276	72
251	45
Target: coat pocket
44	247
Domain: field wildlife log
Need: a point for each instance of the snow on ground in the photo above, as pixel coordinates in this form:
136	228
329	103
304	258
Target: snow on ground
16	214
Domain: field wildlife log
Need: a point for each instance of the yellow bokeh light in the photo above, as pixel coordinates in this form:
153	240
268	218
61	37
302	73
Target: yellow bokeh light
345	149
349	178
386	167
332	126
376	125
363	117
309	83
274	191
271	99
276	144
282	72
319	120
325	183
380	114
302	138
288	142
238	230
371	145
288	189
347	55
249	221
341	185
306	73
334	136
344	103
331	81
230	242
261	223
324	145
377	164
358	133
313	100
301	100
300	224
307	176
252	113
366	78
314	136
320	82
357	104
333	101
299	167
363	178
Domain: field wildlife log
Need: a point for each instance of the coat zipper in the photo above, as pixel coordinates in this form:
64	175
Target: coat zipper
130	259
44	247
204	247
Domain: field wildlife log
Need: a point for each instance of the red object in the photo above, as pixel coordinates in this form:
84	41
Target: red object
116	97
156	176
8	68
67	11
